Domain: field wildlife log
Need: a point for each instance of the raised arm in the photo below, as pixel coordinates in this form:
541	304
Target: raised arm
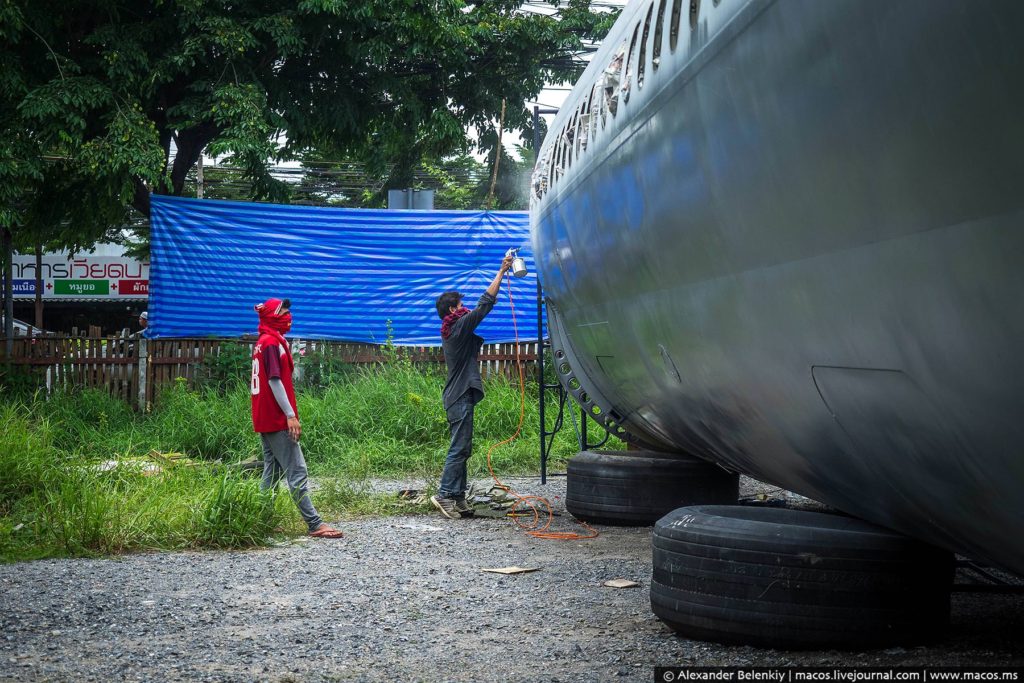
495	285
487	299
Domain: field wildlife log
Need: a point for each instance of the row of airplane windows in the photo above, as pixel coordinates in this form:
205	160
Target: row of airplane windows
612	83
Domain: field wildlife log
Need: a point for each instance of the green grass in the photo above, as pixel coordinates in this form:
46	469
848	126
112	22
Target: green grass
58	499
56	502
387	422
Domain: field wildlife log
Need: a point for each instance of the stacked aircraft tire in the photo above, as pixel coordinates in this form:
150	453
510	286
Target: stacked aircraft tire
636	488
776	577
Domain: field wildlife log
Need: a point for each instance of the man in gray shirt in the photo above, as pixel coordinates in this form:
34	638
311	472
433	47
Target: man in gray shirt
463	389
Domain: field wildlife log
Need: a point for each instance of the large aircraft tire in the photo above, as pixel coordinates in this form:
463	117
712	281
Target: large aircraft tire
636	488
793	579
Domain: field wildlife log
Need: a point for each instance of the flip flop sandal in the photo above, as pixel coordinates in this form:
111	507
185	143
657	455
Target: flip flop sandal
326	531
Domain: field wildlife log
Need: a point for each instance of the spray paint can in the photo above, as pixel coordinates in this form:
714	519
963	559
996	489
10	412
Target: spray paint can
518	264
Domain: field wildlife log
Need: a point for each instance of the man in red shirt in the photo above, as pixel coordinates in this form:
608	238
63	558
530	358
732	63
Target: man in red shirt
275	415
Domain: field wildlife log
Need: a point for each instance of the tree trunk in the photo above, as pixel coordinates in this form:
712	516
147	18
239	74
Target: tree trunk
190	144
141	199
497	159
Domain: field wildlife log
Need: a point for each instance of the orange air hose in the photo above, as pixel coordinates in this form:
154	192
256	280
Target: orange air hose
536	525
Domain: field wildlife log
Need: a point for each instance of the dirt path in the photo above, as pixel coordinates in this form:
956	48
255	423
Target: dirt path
397	598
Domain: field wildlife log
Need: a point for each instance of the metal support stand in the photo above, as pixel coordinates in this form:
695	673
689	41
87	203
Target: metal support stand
544	387
563	396
583	430
540	366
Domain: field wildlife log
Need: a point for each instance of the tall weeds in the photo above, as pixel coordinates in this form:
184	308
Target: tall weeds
60	502
70	481
373	422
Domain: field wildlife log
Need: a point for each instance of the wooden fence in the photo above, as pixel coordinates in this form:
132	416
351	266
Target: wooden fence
137	369
57	361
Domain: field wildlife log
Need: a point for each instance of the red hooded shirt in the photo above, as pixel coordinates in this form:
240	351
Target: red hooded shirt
271	357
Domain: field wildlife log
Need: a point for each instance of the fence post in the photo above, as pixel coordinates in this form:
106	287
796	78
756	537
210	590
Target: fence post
142	356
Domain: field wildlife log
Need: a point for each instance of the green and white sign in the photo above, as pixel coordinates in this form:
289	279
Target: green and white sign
82	287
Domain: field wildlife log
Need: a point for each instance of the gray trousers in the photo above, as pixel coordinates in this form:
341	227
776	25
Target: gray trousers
282	459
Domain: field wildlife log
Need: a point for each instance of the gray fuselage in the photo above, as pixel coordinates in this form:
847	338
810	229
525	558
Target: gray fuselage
798	251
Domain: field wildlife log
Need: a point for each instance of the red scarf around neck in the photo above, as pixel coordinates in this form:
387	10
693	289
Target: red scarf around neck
450	320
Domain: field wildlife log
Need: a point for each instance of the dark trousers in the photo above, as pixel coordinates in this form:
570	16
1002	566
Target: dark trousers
460	422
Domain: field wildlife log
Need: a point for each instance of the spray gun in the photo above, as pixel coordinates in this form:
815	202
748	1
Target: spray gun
518	264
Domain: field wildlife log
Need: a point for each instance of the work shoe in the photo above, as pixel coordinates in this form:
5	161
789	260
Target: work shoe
463	507
446	506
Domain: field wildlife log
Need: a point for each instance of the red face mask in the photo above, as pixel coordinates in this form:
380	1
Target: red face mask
273	317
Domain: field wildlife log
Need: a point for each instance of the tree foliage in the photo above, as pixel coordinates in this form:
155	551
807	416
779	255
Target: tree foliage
105	101
459	182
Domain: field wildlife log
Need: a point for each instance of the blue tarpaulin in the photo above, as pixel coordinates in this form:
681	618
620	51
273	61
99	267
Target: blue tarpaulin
351	274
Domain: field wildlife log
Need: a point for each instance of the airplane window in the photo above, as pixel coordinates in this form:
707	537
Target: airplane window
612	78
544	173
583	132
563	154
658	28
553	168
567	146
673	35
595	98
556	166
642	63
540	174
570	139
601	108
694	13
629	64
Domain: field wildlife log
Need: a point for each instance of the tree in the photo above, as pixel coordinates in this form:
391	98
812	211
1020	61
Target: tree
104	101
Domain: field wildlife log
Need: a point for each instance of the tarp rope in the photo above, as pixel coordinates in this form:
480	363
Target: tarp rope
536	522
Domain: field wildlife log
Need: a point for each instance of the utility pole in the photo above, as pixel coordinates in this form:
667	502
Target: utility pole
39	285
199	176
8	294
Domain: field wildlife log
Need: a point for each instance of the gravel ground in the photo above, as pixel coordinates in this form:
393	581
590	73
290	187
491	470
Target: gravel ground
400	597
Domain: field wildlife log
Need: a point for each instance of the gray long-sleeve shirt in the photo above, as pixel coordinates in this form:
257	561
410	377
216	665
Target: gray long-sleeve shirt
461	353
281	396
